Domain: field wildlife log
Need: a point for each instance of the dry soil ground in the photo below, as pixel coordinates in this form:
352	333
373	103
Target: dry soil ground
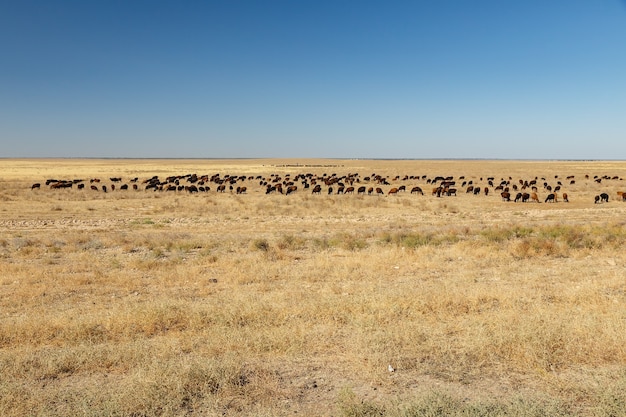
136	302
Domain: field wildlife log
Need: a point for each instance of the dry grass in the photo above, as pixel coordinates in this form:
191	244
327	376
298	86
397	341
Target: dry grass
151	303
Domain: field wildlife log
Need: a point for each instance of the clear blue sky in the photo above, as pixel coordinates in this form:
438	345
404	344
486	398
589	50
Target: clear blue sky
529	79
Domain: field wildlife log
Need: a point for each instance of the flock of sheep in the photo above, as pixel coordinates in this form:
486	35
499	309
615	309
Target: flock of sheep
522	190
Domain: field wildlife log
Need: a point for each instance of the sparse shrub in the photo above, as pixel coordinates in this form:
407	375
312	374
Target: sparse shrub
55	246
91	244
138	222
558	241
523	249
432	405
158	252
578	239
550	247
413	240
291	242
187	246
416	239
348	241
351	406
497	234
386	238
261	244
210	258
321	243
21	243
615	235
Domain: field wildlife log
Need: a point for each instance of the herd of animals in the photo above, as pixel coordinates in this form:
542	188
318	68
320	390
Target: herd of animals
521	190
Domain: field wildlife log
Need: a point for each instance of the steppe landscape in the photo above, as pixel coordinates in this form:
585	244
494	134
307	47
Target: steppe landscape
177	303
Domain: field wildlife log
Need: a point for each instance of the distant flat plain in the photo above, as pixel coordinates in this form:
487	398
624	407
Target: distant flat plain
143	302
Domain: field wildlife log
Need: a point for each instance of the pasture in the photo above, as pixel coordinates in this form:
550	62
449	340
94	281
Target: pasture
150	302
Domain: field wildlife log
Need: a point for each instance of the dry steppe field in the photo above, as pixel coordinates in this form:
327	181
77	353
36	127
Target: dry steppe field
157	303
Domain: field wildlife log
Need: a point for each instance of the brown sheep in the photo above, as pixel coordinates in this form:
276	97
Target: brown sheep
534	197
